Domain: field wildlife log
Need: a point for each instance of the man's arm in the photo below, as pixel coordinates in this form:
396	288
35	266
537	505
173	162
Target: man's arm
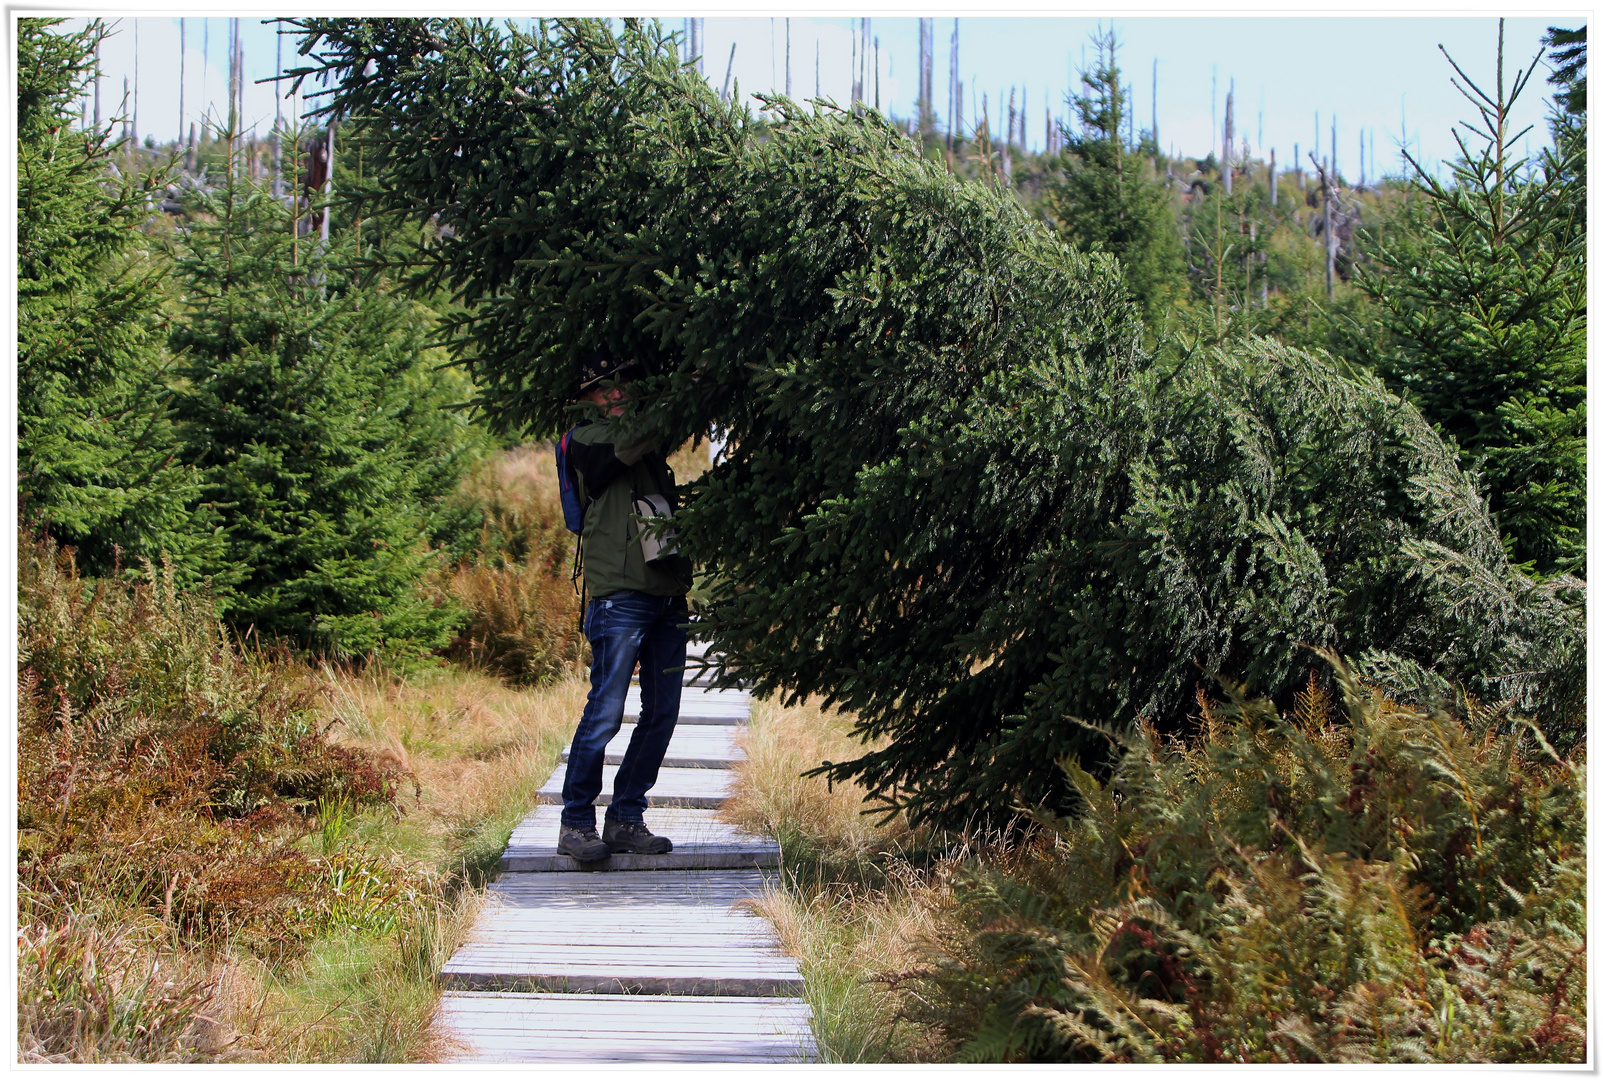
600	463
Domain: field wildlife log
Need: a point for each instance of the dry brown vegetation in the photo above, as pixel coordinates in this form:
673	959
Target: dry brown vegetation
524	610
231	856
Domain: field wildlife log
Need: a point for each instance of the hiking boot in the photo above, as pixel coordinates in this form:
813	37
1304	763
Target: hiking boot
582	843
633	836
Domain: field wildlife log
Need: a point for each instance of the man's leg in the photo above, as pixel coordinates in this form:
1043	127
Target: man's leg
614	631
662	659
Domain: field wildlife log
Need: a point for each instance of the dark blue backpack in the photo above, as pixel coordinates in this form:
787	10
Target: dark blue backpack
572	510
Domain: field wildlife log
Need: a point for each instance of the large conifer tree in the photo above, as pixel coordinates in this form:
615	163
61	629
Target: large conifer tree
960	499
1484	318
1104	195
98	459
320	426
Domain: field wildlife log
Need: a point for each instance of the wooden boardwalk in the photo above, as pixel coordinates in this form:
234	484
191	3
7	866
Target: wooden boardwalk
637	957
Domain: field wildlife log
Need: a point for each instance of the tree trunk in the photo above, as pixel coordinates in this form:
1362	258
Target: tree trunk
328	185
1330	240
1155	102
1335	170
278	127
1226	163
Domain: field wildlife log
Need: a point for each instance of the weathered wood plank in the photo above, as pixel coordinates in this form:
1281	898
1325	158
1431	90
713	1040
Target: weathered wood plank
601	1055
585	981
704	788
700	841
682	857
625	960
698	705
677	822
693	746
673	887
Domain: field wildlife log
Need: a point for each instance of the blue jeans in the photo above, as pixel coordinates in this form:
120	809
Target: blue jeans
624	627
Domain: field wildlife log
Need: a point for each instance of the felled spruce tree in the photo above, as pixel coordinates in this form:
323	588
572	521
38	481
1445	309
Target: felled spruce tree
97	454
320	427
1484	313
960	500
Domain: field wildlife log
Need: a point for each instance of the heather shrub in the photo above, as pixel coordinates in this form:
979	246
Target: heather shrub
160	768
1355	881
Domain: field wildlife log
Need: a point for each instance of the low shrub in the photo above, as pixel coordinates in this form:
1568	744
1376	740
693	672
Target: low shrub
525	620
162	768
1394	884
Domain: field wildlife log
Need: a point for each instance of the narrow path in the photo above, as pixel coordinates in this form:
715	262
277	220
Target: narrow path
638	957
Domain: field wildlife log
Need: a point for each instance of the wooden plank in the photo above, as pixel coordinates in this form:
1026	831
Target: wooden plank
584	981
624	1016
698	705
684	856
704	788
697	887
590	1003
512	1037
693	746
700	841
683	825
713	960
603	1056
662	932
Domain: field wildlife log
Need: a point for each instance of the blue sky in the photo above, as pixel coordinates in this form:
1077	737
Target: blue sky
1374	73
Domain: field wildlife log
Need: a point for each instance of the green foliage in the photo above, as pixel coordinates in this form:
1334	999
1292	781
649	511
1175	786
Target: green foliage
960	500
97	453
321	428
160	768
1483	305
1393	884
1569	54
1105	197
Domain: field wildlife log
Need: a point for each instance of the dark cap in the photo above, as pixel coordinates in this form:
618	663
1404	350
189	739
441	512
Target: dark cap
600	364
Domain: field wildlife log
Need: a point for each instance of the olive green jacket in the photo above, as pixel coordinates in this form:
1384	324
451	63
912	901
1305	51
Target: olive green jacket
608	474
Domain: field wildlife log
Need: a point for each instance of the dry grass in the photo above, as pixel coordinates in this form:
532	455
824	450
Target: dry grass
229	856
477	751
853	904
525	615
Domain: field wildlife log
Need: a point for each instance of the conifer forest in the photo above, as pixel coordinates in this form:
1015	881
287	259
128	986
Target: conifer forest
1193	549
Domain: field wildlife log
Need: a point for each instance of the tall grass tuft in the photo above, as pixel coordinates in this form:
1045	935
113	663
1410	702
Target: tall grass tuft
88	993
1358	881
852	901
525	611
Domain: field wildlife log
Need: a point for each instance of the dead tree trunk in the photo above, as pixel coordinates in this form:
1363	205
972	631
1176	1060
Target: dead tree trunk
1325	186
1226	164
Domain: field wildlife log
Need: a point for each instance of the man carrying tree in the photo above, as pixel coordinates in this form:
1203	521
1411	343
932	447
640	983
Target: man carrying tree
637	613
